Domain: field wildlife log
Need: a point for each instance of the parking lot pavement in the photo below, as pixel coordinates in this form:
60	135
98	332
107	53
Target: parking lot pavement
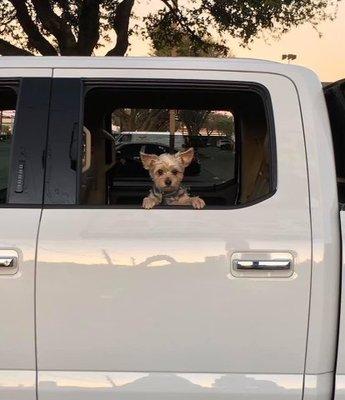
217	165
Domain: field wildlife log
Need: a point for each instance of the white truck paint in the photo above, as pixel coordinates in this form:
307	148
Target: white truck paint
19	230
340	377
102	329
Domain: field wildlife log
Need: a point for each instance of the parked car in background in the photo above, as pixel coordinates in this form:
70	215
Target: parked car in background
152	137
225	144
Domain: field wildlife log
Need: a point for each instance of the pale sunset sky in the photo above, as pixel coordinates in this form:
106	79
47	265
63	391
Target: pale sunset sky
325	55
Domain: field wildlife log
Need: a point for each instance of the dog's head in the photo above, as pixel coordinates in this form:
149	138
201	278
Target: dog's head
167	170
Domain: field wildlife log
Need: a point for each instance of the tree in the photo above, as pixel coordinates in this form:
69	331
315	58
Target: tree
78	27
141	119
222	123
193	120
185	47
192	28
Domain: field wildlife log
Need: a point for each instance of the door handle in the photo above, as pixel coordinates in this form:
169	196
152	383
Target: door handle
262	265
7	262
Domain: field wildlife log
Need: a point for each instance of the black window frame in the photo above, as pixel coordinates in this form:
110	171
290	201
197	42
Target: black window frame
67	196
335	100
13	85
26	166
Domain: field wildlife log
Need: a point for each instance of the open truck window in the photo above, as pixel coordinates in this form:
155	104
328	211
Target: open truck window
227	128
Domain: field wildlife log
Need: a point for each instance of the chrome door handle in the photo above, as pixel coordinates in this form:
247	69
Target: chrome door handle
7	262
262	265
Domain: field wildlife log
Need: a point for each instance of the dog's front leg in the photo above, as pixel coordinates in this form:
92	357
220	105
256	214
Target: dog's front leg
195	201
150	201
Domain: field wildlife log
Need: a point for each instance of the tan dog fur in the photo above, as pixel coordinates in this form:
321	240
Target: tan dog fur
167	171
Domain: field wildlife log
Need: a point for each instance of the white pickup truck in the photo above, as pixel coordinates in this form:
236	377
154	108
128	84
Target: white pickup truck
101	299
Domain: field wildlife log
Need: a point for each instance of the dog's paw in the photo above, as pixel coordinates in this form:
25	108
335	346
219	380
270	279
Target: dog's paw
198	203
148	203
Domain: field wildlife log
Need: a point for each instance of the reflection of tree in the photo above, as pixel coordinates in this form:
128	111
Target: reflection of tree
177	386
154	382
244	383
112	383
156	258
107	257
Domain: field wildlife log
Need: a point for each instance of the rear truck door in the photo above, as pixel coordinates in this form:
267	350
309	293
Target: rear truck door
24	102
112	324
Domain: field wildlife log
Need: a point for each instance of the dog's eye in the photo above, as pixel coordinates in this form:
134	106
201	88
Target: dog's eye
175	171
160	172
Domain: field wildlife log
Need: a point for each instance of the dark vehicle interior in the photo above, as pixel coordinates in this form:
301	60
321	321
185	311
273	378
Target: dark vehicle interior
335	99
8	99
228	130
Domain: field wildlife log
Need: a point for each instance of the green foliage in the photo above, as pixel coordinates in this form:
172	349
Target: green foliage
199	22
186	47
78	27
220	123
141	119
194	120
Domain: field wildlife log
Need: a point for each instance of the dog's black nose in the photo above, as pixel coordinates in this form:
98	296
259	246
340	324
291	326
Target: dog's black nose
168	182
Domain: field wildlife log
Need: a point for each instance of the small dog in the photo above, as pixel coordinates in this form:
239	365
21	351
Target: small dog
167	172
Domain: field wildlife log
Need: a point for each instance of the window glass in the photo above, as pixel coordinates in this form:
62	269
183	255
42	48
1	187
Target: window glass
212	145
212	136
7	116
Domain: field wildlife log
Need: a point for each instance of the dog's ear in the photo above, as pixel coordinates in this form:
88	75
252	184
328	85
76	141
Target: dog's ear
148	159
186	157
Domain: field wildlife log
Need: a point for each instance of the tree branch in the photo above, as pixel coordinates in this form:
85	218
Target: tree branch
67	12
89	24
8	49
64	5
35	38
121	27
6	19
56	26
174	9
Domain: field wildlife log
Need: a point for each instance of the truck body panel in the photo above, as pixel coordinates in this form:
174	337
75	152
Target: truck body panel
19	229
145	304
190	316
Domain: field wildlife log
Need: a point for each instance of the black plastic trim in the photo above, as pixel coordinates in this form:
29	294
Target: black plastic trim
62	155
29	142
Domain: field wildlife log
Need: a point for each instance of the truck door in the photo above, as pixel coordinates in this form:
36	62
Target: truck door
174	303
23	127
